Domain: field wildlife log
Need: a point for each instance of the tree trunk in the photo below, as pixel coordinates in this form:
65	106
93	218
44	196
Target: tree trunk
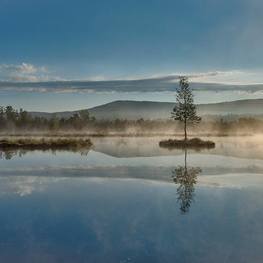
185	158
185	133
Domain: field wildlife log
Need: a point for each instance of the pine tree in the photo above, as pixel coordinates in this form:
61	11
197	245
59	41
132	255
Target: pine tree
186	178
185	110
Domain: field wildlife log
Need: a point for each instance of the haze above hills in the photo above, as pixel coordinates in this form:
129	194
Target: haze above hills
133	110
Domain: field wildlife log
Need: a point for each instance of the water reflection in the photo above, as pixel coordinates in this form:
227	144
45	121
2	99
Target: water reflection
92	220
186	178
136	158
69	208
6	154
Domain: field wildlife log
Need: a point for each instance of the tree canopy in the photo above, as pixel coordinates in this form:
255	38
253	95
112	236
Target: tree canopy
185	109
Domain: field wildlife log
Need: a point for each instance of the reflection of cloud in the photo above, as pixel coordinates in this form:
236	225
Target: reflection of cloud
24	185
236	181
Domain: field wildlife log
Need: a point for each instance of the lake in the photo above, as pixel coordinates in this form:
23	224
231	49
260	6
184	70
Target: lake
128	200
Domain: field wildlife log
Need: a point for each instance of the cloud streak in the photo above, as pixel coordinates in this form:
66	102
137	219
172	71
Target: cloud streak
30	78
24	72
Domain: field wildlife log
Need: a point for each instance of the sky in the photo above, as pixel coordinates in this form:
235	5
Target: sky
212	41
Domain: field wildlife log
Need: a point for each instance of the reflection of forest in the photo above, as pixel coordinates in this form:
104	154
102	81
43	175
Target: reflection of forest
186	178
9	154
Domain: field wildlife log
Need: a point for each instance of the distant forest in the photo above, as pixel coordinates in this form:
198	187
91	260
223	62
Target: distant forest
14	121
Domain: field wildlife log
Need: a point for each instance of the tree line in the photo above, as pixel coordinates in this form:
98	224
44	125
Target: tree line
12	120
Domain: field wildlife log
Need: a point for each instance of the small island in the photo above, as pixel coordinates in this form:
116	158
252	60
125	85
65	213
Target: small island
185	112
45	143
190	143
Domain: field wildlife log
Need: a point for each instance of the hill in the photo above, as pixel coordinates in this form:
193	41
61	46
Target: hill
161	110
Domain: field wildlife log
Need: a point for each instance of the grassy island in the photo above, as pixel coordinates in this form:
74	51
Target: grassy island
44	143
189	143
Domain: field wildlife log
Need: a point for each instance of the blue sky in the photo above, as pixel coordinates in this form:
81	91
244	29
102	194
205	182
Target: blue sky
43	40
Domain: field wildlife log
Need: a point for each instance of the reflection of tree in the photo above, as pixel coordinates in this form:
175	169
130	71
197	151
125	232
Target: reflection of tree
186	178
9	154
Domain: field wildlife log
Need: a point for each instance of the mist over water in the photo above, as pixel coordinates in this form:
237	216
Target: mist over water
164	205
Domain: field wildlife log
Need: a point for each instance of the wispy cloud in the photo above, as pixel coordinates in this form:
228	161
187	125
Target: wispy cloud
29	78
24	72
235	77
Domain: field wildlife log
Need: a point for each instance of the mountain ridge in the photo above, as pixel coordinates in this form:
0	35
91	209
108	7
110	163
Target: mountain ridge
131	109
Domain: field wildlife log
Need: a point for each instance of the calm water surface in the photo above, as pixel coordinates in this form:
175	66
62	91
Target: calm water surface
127	200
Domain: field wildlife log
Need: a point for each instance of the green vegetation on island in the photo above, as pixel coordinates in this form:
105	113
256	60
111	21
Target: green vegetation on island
189	143
45	143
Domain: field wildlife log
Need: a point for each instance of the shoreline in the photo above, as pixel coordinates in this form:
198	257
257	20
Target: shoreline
82	135
44	143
